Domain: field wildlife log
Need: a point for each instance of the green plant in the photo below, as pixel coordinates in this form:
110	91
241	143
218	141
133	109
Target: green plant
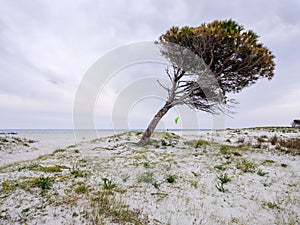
271	205
108	184
81	189
246	166
59	150
236	154
106	205
43	182
146	164
171	179
284	165
77	172
220	167
224	178
220	187
268	161
261	173
195	174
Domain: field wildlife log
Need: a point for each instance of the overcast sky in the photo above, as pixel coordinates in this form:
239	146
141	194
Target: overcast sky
46	47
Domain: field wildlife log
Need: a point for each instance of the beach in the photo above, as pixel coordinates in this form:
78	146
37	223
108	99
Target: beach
234	176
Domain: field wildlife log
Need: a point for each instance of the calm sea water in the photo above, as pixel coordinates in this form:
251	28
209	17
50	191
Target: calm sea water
98	130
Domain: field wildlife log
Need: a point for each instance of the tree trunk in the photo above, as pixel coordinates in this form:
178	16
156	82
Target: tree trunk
147	134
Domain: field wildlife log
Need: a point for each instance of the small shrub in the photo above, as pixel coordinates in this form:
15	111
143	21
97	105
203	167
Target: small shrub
81	189
284	165
261	173
224	178
171	179
77	173
246	166
108	184
42	182
271	205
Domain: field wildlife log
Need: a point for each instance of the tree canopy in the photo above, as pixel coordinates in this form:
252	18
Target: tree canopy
235	56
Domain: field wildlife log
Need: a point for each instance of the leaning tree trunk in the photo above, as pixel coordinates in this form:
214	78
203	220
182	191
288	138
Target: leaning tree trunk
147	134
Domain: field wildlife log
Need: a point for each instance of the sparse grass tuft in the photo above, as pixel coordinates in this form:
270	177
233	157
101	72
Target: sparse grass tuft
246	166
261	173
268	161
106	205
220	167
108	184
271	205
77	172
42	182
220	187
81	189
224	178
59	150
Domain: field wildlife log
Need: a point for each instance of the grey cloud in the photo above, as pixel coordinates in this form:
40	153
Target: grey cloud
47	46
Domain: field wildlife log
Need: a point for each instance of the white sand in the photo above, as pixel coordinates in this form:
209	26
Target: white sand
140	177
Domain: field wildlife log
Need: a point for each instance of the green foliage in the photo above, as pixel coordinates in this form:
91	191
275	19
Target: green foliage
46	169
77	172
261	173
268	161
42	182
220	187
81	189
171	179
59	150
224	178
108	184
271	205
106	204
246	166
234	55
220	167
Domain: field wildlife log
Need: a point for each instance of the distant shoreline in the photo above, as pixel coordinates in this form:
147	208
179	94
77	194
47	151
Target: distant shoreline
12	131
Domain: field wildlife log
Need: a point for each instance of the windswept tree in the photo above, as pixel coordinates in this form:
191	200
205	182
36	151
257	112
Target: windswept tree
208	62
